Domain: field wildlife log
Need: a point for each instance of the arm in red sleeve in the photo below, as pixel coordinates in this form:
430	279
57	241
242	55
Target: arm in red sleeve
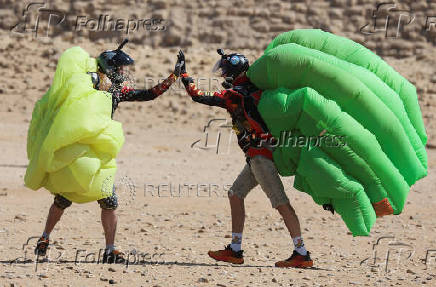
203	97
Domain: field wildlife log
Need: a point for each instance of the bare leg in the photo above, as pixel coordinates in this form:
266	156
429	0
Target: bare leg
233	253
54	215
243	184
238	213
290	218
267	175
109	222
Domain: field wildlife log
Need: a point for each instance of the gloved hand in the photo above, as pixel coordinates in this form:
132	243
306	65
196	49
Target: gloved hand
180	67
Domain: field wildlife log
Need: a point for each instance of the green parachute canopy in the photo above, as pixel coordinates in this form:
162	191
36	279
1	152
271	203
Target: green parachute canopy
349	127
72	141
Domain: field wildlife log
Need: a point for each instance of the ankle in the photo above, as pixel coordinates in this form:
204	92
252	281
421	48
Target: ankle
236	241
299	245
45	235
109	248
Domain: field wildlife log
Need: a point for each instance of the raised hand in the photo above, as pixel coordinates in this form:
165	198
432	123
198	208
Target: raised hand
180	67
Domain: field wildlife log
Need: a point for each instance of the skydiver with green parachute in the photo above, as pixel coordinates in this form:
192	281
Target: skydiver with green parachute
73	142
313	83
240	99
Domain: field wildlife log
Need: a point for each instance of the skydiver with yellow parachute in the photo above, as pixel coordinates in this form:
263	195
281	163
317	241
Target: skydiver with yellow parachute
73	142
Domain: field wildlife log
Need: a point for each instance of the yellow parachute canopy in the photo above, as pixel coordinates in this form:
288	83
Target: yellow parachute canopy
72	141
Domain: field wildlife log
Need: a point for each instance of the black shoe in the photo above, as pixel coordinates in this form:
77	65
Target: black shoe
115	256
41	246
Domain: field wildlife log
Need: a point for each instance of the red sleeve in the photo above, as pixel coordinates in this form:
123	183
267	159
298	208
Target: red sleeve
204	97
164	86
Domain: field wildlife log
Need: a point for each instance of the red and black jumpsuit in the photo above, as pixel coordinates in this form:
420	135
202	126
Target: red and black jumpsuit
241	102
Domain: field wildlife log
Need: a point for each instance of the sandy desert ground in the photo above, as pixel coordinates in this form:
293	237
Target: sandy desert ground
172	229
166	226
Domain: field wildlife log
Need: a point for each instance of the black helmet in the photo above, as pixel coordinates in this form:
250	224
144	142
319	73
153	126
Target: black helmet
231	65
111	61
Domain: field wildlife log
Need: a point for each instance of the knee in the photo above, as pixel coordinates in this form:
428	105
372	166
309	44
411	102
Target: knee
234	197
109	203
61	202
281	208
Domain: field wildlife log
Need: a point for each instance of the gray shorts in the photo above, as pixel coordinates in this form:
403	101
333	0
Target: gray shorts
260	170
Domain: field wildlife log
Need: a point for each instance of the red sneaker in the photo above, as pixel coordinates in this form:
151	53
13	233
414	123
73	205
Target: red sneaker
296	260
228	255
